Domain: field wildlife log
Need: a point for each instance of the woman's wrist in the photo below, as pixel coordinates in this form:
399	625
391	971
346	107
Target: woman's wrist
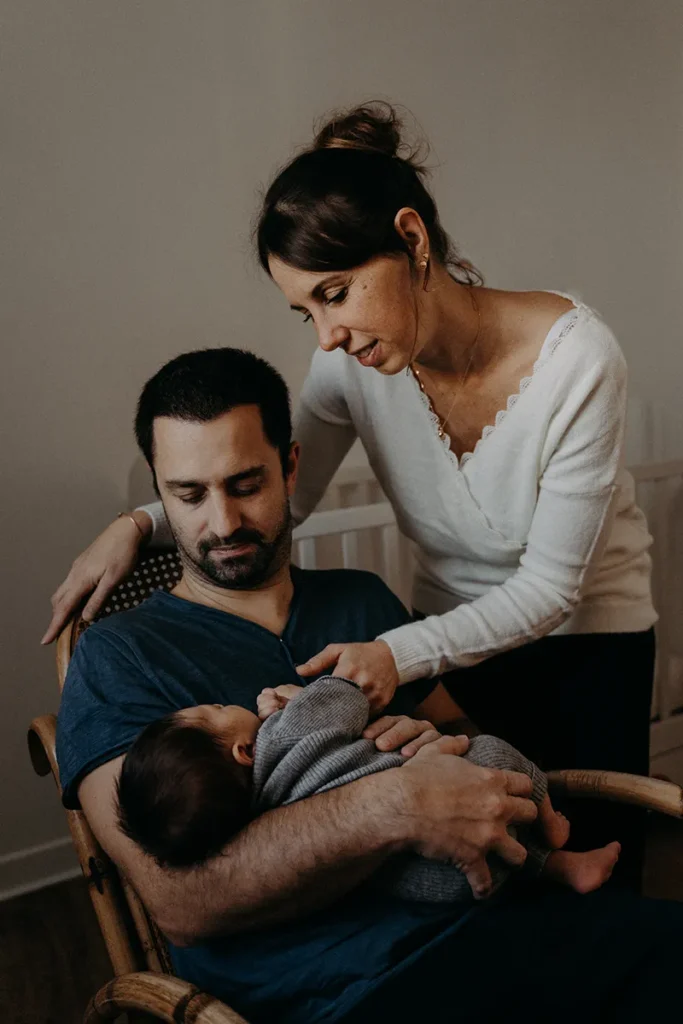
141	522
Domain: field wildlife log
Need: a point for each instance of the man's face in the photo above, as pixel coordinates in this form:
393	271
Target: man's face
226	497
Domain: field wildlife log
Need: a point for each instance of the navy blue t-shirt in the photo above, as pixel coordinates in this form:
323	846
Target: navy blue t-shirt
132	668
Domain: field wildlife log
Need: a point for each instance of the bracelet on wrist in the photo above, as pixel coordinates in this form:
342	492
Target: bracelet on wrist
134	521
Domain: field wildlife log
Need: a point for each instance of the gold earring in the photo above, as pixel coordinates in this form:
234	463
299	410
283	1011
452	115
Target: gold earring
424	262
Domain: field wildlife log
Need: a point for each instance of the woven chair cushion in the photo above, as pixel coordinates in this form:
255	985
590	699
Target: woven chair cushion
158	571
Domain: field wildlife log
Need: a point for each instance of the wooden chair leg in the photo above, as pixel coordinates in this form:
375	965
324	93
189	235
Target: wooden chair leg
163	998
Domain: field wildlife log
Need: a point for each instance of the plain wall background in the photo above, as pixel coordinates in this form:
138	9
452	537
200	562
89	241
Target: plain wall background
135	136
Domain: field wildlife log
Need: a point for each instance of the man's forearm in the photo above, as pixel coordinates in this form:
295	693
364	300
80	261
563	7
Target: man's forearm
291	861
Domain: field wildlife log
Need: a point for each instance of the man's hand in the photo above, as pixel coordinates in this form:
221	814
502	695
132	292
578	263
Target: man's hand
460	812
370	666
271	700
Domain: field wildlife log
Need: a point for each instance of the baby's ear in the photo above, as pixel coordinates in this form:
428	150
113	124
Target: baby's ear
243	753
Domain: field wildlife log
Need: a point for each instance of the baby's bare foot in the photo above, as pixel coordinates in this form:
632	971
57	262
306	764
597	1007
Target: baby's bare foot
554	825
583	872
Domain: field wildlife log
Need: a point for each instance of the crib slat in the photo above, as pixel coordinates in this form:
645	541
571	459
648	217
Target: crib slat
335	521
306	553
390	557
349	545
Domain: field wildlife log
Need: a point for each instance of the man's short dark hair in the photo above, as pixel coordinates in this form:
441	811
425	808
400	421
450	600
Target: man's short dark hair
181	796
200	386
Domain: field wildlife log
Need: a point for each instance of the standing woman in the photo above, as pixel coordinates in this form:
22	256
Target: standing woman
494	423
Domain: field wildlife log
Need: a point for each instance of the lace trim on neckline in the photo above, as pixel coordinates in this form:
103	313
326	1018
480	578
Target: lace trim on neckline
546	352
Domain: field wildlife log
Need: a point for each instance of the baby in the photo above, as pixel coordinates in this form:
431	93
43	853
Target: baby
196	777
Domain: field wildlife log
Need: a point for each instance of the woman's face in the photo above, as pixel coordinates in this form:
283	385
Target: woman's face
370	311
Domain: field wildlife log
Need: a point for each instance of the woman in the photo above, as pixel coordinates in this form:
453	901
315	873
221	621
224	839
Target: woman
494	423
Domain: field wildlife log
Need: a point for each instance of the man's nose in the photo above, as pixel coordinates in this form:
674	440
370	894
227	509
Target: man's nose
331	337
225	516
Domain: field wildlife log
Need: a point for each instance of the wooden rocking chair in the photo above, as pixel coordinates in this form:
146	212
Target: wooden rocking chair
144	982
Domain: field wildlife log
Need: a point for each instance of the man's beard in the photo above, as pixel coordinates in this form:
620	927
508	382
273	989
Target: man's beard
240	572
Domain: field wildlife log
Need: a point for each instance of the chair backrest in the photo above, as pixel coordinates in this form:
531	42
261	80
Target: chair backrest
132	938
160	570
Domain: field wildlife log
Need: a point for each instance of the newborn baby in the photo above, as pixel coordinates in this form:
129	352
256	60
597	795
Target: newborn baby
196	777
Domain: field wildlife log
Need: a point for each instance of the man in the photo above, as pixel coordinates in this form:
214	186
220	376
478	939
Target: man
280	925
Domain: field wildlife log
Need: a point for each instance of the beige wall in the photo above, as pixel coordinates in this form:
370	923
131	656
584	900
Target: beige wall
135	137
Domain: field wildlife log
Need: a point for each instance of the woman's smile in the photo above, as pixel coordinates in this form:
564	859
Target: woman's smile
369	355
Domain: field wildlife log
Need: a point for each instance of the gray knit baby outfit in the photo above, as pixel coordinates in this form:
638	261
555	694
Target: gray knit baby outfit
315	744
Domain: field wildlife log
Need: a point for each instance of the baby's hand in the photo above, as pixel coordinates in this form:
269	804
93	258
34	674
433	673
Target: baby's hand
271	700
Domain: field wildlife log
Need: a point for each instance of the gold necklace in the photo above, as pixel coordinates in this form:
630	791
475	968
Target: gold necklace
441	422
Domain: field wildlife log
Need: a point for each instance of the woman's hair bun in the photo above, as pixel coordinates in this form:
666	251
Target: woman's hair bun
375	127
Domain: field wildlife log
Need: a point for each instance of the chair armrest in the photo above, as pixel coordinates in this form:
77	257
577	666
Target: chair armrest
42	737
654	794
167	999
104	885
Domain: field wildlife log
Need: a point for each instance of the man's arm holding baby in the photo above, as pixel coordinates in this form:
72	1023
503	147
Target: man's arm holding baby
303	857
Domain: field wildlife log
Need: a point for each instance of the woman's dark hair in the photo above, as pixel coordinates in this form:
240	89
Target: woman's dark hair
180	796
333	206
200	386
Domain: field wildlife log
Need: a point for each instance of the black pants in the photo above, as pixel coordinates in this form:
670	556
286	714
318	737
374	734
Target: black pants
545	955
580	701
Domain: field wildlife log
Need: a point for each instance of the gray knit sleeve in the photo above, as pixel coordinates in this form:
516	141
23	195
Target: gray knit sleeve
315	744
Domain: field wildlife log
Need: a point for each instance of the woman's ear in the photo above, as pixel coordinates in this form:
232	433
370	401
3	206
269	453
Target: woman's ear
411	228
243	753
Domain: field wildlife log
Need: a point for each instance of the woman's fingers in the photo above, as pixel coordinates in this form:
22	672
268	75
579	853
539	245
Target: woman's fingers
100	595
326	659
64	602
420	741
457	745
105	563
397	731
380	725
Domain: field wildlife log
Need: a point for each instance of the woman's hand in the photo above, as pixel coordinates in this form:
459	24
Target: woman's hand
370	666
398	732
98	570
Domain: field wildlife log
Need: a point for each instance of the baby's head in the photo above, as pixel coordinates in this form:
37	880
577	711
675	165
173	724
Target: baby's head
185	785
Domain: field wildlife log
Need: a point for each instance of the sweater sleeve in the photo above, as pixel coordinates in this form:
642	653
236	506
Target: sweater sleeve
161	532
569	528
323	428
310	743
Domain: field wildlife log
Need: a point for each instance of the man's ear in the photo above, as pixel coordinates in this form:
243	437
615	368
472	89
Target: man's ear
292	469
243	753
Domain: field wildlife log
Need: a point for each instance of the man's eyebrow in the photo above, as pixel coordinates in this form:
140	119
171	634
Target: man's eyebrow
245	474
317	292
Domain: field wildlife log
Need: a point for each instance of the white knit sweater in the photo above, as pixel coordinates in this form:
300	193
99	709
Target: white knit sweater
535	532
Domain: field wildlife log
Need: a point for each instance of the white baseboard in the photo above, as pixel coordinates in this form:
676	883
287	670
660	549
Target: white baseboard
36	867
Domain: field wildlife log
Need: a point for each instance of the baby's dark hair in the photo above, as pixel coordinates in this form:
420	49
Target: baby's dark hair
181	796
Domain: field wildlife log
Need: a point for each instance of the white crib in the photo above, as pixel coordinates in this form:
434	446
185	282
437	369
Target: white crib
355	527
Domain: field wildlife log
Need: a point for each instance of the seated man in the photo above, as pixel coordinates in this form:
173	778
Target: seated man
278	924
